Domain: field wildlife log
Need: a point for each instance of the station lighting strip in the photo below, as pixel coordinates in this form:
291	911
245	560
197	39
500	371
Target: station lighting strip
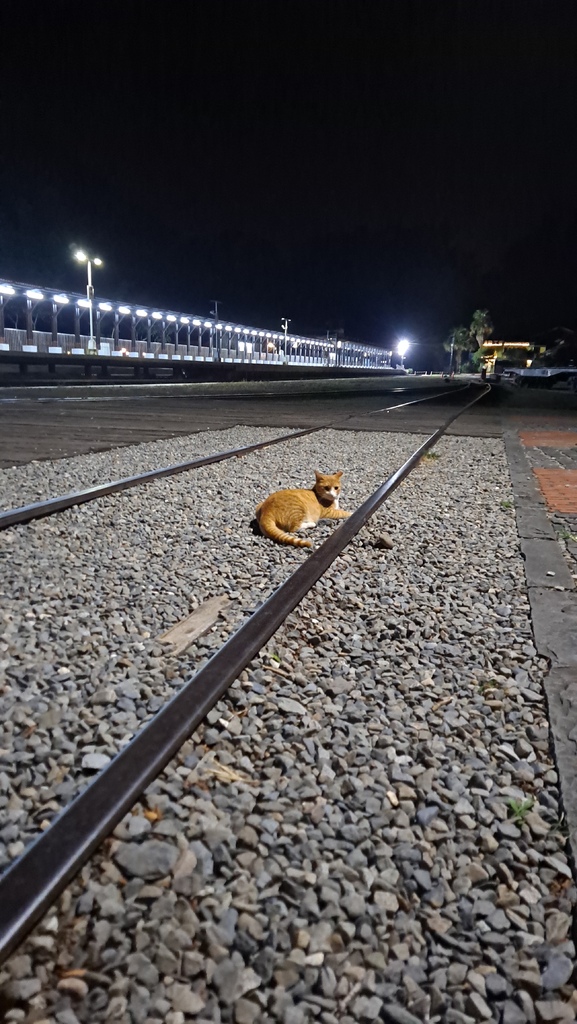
14	290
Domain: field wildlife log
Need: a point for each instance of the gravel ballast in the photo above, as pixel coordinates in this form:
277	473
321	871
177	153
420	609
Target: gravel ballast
37	481
367	828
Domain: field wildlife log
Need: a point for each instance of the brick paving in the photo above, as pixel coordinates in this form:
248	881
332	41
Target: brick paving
552	455
559	488
548	438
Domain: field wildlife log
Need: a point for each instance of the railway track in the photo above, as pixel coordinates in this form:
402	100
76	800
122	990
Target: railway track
34	880
51	506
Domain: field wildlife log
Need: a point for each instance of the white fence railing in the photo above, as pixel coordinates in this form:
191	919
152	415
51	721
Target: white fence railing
16	340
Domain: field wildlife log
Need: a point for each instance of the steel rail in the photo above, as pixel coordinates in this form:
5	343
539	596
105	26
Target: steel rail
30	886
50	506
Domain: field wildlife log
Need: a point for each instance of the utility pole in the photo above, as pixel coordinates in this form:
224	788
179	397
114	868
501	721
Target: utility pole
284	324
214	312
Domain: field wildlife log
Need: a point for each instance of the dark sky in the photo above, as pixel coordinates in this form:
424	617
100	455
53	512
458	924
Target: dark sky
385	166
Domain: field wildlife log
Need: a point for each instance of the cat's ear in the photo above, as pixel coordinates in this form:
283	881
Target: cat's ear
339	473
317	474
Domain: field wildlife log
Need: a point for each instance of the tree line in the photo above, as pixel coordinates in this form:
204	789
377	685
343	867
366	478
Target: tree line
468	339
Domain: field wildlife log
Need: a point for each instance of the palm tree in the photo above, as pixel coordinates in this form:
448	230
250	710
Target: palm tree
481	327
458	340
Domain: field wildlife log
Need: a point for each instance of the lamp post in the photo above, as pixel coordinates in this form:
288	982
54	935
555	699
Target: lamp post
402	349
81	256
284	325
217	337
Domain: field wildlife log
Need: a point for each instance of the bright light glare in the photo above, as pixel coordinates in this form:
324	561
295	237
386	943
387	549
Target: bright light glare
142	312
6	289
171	317
245	330
63	299
261	334
85	303
184	320
97	261
228	327
157	316
105	307
403	347
125	310
197	323
33	293
219	327
208	323
237	330
81	256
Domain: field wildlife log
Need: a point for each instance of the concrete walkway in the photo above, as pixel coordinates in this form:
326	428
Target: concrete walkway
543	466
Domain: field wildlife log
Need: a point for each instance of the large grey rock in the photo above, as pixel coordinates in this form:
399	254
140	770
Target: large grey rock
150	859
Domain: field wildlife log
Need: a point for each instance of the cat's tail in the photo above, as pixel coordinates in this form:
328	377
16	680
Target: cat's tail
270	529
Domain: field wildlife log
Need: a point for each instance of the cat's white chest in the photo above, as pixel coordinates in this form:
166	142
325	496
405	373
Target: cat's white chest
336	503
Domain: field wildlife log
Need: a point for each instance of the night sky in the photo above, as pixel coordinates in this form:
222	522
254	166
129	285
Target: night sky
380	166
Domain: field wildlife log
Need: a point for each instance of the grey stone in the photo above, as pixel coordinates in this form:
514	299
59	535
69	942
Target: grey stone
495	986
95	762
225	979
554	1012
384	541
477	1007
183	998
354	905
426	815
204	859
557	973
512	1013
423	879
367	1008
294	1015
150	859
23	989
507	830
246	1012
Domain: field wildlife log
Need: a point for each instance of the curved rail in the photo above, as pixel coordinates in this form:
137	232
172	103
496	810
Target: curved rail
29	887
49	507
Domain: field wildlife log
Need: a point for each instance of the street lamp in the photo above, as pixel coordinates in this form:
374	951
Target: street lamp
81	256
402	349
284	324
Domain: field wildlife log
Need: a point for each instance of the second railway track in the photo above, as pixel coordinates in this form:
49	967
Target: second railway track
51	506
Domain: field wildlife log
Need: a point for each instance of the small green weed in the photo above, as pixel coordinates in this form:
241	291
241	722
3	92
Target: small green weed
506	505
520	808
487	684
565	535
431	455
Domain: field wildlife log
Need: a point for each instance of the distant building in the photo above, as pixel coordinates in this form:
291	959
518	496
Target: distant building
508	353
556	347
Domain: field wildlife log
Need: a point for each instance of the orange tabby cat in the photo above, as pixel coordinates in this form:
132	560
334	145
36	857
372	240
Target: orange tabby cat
300	510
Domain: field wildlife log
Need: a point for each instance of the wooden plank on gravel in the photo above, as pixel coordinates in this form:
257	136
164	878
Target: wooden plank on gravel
181	636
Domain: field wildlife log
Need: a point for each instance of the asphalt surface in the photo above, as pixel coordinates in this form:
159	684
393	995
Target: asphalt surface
38	424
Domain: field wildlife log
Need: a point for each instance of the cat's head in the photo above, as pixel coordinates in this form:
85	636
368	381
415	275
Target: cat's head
328	485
